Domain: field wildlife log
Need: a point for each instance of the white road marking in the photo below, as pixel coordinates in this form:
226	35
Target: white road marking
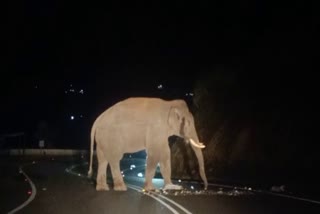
168	199
268	192
32	196
175	203
210	184
161	196
292	197
139	189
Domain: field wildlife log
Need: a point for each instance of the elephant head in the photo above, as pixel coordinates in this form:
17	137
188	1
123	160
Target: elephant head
181	123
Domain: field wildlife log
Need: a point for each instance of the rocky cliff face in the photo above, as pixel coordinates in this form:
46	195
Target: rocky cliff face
251	122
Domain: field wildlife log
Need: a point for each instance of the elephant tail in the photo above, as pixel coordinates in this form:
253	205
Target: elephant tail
92	138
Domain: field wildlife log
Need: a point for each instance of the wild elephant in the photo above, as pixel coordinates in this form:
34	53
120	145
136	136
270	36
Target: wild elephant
141	123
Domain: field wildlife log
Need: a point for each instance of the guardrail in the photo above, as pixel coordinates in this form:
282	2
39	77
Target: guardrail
42	151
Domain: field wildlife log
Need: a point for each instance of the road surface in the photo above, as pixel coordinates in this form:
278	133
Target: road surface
59	185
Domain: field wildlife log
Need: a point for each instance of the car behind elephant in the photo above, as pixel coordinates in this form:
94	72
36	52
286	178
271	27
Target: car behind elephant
142	123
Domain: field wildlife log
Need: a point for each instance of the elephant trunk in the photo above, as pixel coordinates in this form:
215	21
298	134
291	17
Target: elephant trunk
197	150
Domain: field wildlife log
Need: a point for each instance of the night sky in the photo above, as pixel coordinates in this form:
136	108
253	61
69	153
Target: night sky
54	36
55	46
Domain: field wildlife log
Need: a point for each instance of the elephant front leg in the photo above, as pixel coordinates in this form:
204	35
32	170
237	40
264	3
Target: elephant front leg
165	168
102	177
150	171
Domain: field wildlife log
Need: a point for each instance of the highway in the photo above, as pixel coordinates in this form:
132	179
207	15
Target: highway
60	185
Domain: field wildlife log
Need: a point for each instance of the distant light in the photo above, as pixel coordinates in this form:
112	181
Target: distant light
140	175
132	167
29	192
81	91
179	181
70	85
192	187
81	116
36	87
71	90
191	94
72	118
160	86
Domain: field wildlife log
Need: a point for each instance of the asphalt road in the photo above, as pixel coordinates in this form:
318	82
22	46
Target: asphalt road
59	185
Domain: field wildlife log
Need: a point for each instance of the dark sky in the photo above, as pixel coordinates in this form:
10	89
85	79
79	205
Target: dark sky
57	36
106	47
58	40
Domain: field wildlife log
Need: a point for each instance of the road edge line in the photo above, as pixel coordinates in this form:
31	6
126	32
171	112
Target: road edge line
32	196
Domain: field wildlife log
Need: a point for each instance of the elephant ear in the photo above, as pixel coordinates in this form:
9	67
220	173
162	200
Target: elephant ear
176	121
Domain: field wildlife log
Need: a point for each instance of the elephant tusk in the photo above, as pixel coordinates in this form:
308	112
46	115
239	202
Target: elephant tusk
198	145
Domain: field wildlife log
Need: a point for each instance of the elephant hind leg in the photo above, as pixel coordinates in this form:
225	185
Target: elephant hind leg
102	177
118	182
